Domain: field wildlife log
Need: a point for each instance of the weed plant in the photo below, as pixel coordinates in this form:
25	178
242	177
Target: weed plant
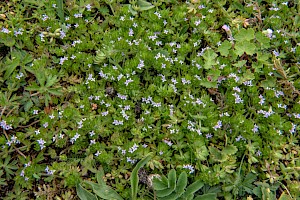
210	88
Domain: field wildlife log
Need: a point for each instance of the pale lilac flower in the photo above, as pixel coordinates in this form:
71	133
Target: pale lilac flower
226	28
189	167
44	17
41	142
133	148
97	153
255	128
258	153
132	161
88	7
5	30
78	15
73	139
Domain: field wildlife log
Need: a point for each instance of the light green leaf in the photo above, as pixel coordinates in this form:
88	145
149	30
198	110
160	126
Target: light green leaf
230	150
172	179
159	184
224	48
245	35
208	196
134	178
268	82
240	63
263	40
144	5
181	183
8	41
164	193
60	10
194	187
83	194
215	154
11	65
210	58
244	46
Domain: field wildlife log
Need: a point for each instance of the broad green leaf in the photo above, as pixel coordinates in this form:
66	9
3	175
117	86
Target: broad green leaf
240	63
134	178
60	10
8	41
100	176
210	58
244	47
269	82
172	179
158	184
201	153
194	187
132	10
172	196
164	193
208	196
263	40
181	183
245	35
224	48
247	76
144	5
215	154
230	150
83	194
106	192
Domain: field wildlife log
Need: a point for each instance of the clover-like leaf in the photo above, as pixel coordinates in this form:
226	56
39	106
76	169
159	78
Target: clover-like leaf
245	35
224	48
244	47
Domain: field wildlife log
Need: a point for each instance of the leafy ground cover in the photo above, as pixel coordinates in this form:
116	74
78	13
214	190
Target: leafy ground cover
209	88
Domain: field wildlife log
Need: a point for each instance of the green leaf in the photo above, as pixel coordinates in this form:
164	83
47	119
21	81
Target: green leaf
104	191
11	65
269	82
144	5
181	183
100	176
263	40
215	154
210	58
172	179
194	187
240	63
208	196
83	194
158	184
284	196
244	47
134	178
245	35
56	91
164	193
230	150
184	30
224	48
60	10
8	41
